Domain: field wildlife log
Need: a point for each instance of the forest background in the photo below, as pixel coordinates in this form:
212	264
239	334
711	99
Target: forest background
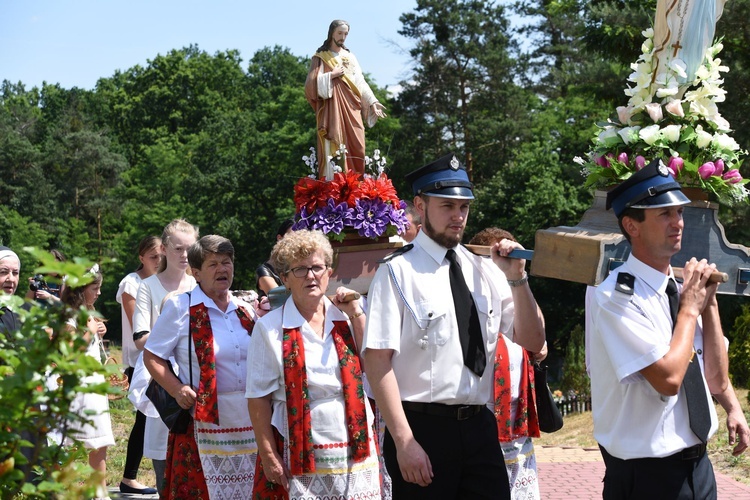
219	141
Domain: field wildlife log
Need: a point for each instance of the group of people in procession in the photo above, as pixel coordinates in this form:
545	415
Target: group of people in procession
411	391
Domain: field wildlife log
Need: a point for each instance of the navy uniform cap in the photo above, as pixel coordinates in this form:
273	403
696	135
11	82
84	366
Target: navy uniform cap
445	177
651	187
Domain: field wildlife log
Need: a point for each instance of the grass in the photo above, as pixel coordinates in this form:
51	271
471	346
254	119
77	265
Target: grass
579	431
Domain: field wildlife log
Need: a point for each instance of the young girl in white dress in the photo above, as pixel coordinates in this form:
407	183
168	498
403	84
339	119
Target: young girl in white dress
149	255
96	435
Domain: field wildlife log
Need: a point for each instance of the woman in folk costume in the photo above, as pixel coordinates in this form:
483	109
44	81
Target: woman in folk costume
312	420
513	401
216	457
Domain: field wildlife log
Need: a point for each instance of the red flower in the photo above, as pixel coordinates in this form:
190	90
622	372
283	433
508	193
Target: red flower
382	188
345	188
311	194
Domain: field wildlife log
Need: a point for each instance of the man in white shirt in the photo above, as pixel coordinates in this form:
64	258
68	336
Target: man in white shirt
641	350
429	346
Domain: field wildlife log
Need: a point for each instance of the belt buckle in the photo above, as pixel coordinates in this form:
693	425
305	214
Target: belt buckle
692	453
464	412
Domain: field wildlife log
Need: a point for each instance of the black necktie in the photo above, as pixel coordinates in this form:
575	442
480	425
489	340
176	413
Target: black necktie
695	391
469	329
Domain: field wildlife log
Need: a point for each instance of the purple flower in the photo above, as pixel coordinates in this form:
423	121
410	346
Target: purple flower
676	164
397	217
332	217
719	167
304	220
370	217
707	170
732	176
640	162
601	161
623	158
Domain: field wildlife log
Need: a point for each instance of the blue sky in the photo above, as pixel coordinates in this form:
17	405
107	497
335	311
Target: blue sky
74	43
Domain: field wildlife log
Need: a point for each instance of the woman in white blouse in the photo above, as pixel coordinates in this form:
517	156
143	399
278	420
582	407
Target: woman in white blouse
172	278
305	392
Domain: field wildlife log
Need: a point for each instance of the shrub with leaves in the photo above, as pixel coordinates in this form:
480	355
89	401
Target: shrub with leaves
42	366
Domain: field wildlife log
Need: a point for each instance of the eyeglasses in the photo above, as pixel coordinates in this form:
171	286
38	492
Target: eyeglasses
301	271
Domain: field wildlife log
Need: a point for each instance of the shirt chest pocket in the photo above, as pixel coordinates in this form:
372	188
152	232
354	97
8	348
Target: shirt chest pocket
488	310
434	322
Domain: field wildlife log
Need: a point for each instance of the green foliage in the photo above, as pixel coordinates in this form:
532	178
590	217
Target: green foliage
574	377
43	366
462	96
739	349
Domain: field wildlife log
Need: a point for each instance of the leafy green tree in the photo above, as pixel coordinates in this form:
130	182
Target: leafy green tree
462	95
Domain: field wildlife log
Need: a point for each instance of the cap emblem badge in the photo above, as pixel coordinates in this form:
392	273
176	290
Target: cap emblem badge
454	163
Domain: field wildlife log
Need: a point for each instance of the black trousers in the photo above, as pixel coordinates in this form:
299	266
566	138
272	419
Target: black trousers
135	442
467	461
668	478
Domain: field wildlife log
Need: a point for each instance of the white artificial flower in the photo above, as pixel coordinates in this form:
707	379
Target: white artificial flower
723	141
649	33
678	66
671	133
650	134
629	134
376	154
702	138
579	160
720	122
704	107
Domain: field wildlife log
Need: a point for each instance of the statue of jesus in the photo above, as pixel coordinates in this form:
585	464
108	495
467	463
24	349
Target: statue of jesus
343	101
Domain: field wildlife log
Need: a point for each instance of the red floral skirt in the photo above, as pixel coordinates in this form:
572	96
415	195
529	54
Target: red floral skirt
184	477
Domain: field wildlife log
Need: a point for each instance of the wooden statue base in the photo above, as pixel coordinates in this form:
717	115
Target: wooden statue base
587	252
354	265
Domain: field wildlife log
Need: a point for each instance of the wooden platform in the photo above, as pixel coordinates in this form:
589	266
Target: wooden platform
586	253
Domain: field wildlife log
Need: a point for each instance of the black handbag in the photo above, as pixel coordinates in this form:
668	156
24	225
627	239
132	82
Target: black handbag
550	418
176	418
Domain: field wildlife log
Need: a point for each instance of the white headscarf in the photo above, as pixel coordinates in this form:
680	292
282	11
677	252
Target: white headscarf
6	252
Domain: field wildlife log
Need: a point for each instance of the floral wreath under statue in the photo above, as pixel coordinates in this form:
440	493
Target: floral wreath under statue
349	202
679	123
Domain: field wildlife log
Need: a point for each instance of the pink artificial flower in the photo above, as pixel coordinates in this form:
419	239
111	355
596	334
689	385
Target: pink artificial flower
654	111
640	162
623	158
624	114
674	107
676	164
732	176
719	167
707	170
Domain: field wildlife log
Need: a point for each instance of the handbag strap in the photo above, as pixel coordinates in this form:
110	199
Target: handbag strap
190	342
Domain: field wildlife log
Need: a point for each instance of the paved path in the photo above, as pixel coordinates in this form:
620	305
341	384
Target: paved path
565	473
576	474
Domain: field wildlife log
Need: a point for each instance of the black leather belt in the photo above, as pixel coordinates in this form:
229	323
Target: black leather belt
692	453
456	412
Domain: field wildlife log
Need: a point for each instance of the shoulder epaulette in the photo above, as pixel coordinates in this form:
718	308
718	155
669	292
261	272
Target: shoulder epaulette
625	283
398	251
